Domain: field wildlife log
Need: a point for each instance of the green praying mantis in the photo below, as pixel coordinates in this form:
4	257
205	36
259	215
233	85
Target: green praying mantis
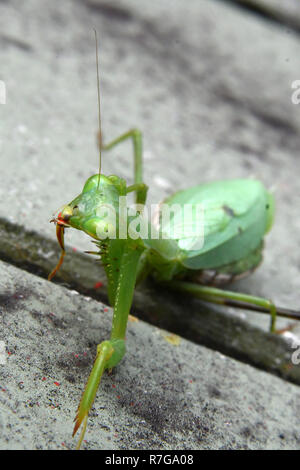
174	248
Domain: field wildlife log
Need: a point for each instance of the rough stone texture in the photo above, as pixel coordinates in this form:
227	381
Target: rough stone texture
162	395
210	87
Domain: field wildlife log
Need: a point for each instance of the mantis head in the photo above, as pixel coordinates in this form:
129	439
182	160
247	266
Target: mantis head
85	212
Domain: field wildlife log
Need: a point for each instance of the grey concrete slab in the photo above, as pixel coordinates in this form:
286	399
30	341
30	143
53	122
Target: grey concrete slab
164	395
212	95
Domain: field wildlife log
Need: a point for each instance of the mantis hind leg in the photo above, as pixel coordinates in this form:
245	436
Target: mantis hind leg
230	298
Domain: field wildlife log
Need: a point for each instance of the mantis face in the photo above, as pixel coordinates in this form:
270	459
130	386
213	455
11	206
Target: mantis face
86	211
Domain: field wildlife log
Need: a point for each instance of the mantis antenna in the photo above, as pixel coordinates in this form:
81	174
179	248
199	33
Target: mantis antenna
99	112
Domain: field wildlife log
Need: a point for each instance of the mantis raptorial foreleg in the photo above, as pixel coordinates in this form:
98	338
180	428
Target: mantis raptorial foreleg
110	352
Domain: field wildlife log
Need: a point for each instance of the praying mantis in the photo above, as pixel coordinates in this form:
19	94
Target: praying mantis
217	240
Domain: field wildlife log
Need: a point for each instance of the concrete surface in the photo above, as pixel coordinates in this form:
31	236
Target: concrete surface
221	80
163	395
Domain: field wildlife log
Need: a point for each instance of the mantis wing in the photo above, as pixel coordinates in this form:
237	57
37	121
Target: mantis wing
234	214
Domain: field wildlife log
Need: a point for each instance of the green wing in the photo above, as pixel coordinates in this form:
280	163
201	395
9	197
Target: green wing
235	215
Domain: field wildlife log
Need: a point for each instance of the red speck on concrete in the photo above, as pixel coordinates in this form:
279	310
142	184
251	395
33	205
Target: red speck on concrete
98	284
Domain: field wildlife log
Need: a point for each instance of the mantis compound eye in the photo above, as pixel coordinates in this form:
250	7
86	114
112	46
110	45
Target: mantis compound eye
75	210
65	214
